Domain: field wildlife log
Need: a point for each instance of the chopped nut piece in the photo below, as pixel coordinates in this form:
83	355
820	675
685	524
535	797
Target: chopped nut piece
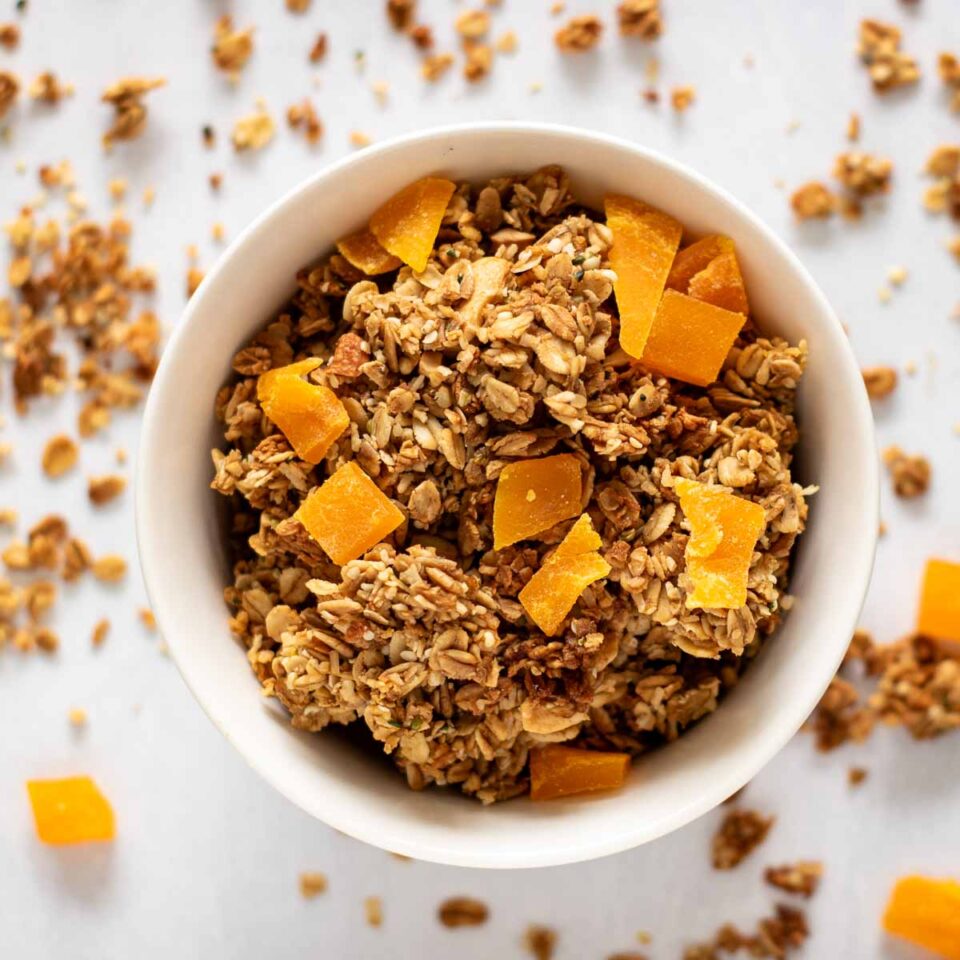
862	173
105	488
59	455
319	49
462	912
435	66
879	48
910	474
580	34
303	116
373	911
100	631
813	200
254	130
682	97
130	111
540	942
110	568
802	877
231	48
740	833
312	885
640	18
879	381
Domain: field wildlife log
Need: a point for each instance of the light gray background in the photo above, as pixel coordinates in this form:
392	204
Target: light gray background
207	858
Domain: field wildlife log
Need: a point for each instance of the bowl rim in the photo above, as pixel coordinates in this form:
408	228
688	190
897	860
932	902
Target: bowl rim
573	850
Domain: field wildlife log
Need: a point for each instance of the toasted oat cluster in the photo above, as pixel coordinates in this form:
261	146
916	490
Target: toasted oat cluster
502	351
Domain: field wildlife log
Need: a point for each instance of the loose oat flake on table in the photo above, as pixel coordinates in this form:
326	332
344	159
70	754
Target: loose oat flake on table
496	350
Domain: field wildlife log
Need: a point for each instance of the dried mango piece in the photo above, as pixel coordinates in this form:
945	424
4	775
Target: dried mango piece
580	538
533	495
645	241
309	415
72	810
690	339
348	514
408	223
557	771
709	270
724	530
363	251
926	912
939	614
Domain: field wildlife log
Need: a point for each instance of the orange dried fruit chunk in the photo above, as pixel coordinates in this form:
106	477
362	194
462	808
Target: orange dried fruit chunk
724	530
709	270
690	339
363	250
72	810
552	591
533	495
309	415
926	912
557	771
645	241
348	514
939	614
408	223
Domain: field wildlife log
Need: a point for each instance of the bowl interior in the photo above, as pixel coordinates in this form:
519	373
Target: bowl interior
183	556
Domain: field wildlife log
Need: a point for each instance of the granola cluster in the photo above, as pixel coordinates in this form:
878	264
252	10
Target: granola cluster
448	376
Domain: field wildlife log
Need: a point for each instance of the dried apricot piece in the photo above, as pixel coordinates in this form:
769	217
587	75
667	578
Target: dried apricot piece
72	810
551	592
558	771
645	241
690	339
408	223
533	495
348	514
709	270
309	415
363	251
926	912
939	614
724	530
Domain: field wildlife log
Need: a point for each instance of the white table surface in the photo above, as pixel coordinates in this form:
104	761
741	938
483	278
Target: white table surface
207	859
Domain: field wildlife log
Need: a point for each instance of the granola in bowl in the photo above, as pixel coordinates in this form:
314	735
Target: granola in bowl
482	505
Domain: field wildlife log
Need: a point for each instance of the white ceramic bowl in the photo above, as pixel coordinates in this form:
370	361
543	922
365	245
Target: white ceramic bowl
182	551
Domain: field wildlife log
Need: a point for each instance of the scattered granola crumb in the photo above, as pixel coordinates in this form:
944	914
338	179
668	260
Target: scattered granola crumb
536	86
380	90
77	717
776	937
130	111
194	278
856	776
46	640
149	195
303	116
100	631
208	136
218	233
540	942
110	568
478	60
853	127
863	174
147	618
640	18
435	66
9	35
231	48
472	24
506	42
884	294
6	449
738	835
373	910
879	381
59	455
215	180
910	474
462	912
897	275
8	517
46	88
312	884
359	139
9	88
422	36
879	48
802	877
953	246
105	488
117	189
948	66
298	6
579	34
400	13
682	97
813	200
254	130
319	49
557	8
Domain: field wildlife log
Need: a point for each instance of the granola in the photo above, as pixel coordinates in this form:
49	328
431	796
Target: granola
879	49
579	34
739	834
446	377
